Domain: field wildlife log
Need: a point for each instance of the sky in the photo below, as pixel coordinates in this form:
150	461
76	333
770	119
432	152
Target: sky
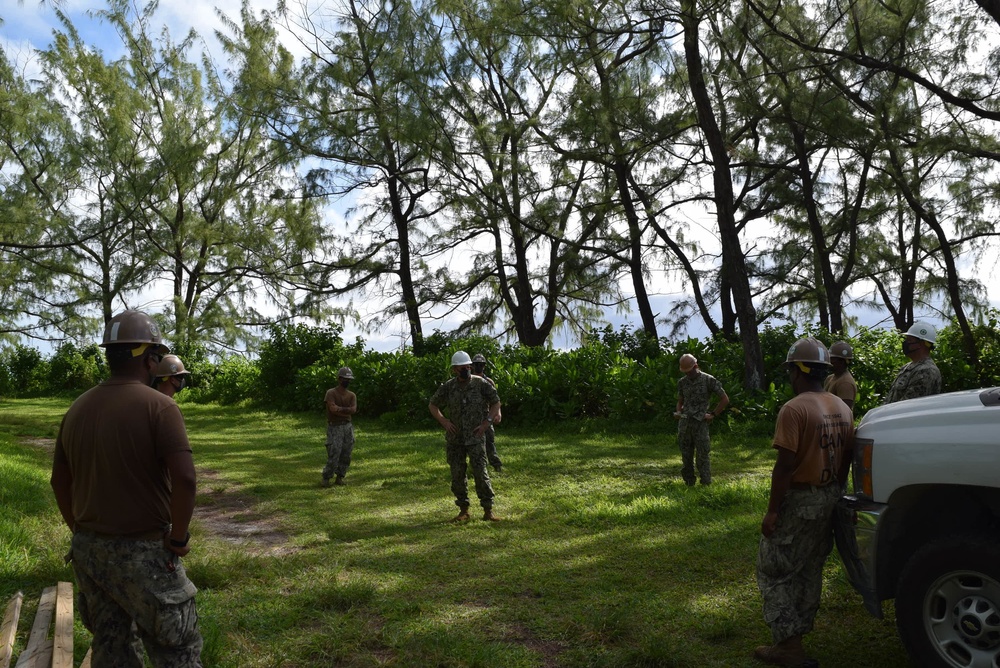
30	25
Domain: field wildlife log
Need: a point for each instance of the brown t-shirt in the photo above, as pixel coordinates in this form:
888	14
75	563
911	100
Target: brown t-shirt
844	386
114	439
819	428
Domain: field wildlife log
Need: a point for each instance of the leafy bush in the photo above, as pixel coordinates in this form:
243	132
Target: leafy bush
622	375
291	349
26	372
957	370
234	379
76	369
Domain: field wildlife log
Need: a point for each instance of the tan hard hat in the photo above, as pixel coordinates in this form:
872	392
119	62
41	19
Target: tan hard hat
842	349
688	362
171	365
133	327
809	351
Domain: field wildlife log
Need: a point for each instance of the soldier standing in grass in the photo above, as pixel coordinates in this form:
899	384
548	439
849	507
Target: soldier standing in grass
124	481
341	404
841	382
467	399
479	369
920	377
814	437
694	391
171	376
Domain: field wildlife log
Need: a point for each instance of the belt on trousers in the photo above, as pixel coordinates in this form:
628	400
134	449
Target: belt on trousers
806	485
155	534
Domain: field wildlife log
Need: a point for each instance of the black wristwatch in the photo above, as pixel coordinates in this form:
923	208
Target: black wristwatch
181	543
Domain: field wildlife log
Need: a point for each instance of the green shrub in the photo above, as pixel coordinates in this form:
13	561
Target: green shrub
288	351
234	379
76	369
27	372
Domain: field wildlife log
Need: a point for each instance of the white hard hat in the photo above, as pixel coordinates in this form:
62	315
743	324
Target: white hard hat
922	330
461	358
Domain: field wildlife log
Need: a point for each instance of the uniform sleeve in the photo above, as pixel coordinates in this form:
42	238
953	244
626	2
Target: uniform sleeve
171	434
717	387
439	399
788	429
490	393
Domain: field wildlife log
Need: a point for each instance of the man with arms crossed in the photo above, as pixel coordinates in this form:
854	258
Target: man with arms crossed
341	404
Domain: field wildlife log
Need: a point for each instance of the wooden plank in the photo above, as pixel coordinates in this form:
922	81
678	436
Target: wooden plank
62	638
44	656
8	631
39	631
86	660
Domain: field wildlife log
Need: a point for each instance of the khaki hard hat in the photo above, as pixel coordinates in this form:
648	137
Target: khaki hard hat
842	349
923	331
688	362
171	365
479	358
461	358
809	351
136	328
345	372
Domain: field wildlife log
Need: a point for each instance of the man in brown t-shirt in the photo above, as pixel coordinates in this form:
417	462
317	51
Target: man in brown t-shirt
124	481
814	437
841	382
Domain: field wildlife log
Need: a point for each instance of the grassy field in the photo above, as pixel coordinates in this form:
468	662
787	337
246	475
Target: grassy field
604	557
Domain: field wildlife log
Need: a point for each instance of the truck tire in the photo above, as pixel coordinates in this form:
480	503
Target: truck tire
948	603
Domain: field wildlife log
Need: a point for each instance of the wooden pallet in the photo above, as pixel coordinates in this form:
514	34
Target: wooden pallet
43	650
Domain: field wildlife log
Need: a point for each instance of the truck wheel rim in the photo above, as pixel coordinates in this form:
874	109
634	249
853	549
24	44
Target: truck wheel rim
962	619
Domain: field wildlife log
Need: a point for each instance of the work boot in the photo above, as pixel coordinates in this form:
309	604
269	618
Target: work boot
463	514
339	480
488	515
788	652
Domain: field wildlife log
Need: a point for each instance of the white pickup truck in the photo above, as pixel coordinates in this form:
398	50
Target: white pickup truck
923	524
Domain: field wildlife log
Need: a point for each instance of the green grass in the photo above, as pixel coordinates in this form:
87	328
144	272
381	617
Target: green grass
604	557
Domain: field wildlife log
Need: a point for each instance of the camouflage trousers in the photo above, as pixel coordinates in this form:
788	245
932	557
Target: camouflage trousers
491	449
790	562
135	593
476	455
339	446
693	440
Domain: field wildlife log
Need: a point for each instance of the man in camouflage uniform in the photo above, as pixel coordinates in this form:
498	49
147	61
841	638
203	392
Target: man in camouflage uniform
467	399
124	481
479	369
841	382
694	391
341	404
814	437
920	377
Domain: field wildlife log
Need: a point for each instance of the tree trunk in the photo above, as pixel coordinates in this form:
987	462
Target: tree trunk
733	259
